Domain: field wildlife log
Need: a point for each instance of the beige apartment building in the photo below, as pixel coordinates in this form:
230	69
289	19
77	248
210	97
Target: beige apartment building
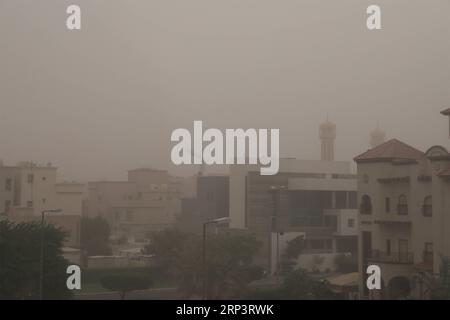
404	227
27	189
149	200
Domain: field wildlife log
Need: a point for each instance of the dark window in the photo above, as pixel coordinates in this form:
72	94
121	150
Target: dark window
387	205
341	200
402	207
366	205
7	205
316	244
351	223
44	200
428	252
30	178
352	200
129	216
427	208
8	184
388	247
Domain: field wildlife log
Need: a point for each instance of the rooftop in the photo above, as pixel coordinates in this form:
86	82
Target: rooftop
392	150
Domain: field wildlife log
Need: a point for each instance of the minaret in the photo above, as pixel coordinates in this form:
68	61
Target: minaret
327	136
377	137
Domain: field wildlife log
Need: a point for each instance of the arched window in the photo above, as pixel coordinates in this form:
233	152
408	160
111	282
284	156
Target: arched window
427	208
402	207
366	205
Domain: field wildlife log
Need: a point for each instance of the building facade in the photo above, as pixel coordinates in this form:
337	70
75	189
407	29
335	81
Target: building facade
312	199
403	198
148	201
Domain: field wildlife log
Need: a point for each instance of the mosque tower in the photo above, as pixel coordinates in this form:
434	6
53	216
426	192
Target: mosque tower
377	137
327	136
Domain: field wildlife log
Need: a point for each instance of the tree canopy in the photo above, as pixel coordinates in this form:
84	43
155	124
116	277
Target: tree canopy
229	261
20	261
95	234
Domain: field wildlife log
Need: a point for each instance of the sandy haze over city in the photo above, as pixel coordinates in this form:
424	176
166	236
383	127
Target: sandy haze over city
105	99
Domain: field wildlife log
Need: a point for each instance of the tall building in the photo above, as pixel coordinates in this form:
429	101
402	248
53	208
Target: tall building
311	199
403	221
327	133
211	202
149	200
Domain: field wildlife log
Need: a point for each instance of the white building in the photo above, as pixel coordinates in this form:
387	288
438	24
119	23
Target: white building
403	196
314	199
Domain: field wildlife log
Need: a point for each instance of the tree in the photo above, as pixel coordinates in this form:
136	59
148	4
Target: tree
20	261
299	285
229	258
290	256
125	283
346	263
95	234
229	266
167	245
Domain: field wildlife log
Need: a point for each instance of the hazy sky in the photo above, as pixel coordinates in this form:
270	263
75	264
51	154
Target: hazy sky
105	99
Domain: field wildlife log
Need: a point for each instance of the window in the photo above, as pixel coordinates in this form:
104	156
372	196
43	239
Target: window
30	178
428	252
7	205
366	205
44	178
341	200
44	200
388	247
352	200
129	216
387	205
29	204
8	184
316	244
351	223
427	208
402	207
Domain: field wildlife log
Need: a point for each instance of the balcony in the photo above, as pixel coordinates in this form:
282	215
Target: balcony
402	209
390	219
391	257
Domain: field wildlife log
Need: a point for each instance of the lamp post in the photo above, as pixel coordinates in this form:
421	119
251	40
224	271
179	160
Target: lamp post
275	223
205	276
41	274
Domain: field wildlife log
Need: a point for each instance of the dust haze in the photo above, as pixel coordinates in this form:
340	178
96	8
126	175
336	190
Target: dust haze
105	99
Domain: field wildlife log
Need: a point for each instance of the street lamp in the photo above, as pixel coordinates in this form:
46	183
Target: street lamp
275	223
205	225
41	275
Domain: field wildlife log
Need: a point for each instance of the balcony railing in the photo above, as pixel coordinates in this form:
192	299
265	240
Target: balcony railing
391	257
402	209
